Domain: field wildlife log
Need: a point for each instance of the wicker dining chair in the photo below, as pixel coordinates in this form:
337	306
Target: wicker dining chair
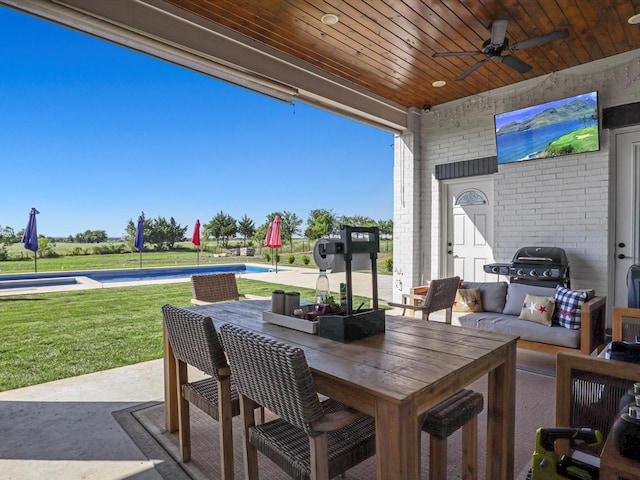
310	439
440	296
194	341
214	287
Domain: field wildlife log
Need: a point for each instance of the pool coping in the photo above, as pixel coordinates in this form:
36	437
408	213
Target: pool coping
85	283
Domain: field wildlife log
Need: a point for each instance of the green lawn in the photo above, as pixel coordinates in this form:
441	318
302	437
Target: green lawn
59	335
578	141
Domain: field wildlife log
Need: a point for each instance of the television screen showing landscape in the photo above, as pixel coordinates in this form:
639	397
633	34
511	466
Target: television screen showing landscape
548	130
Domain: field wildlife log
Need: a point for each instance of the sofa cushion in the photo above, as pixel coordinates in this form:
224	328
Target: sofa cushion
492	294
569	305
538	309
467	300
516	293
531	331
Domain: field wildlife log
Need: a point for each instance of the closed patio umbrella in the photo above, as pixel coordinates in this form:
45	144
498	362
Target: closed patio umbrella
268	236
139	240
275	239
30	237
195	238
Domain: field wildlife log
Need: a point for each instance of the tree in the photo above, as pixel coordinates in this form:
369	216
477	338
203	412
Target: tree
246	228
357	221
222	227
164	234
290	226
321	223
174	233
386	231
260	234
91	236
8	236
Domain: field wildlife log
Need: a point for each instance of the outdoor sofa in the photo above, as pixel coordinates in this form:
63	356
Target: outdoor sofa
499	307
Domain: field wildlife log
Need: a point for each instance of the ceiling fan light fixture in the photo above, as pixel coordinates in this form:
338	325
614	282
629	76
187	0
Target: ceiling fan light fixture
634	19
329	19
438	83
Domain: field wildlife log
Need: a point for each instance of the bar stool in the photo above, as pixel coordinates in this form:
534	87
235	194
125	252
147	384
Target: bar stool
459	410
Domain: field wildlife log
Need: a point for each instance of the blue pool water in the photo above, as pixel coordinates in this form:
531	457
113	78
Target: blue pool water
129	274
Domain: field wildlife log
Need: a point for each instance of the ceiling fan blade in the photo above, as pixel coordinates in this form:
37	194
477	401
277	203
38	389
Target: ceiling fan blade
541	40
498	31
516	63
456	54
472	69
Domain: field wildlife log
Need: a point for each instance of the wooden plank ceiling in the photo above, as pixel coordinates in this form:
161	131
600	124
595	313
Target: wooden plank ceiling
387	46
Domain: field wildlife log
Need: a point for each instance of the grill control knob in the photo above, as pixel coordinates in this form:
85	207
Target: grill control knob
546	273
521	272
495	269
533	273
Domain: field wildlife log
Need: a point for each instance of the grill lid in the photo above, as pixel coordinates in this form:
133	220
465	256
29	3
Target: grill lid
540	255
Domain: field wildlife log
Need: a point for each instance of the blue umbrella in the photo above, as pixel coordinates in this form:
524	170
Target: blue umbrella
30	237
139	240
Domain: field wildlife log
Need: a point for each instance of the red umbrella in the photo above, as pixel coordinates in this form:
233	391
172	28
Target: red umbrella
275	240
195	239
268	236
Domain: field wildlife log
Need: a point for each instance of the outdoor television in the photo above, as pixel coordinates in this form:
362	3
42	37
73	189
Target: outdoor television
553	129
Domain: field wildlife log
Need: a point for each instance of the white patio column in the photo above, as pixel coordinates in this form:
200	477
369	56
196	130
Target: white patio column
407	244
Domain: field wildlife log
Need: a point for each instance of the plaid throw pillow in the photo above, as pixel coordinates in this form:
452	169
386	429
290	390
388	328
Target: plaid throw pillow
568	306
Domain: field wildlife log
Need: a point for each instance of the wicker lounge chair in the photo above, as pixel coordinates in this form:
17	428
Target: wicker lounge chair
310	439
214	287
194	341
440	296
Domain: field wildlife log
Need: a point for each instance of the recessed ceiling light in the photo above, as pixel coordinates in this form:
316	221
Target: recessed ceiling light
635	19
329	19
439	83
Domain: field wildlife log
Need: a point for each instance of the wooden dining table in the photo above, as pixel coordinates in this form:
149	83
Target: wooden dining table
395	377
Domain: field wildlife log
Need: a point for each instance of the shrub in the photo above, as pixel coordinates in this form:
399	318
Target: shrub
388	264
277	257
291	258
306	259
267	256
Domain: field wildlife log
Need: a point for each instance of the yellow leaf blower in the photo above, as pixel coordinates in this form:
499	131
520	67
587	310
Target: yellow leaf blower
546	463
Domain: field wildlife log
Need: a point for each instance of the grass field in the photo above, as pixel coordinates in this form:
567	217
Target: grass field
51	336
578	141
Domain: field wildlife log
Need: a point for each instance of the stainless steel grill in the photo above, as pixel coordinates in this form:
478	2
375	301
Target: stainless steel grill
535	266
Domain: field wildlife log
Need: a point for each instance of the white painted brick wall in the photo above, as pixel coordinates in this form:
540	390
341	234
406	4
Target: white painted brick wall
552	202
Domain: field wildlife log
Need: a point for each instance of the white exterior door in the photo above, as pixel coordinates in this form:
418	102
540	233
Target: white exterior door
468	239
627	208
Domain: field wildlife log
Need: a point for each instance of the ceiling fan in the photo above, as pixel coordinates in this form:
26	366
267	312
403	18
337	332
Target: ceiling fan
498	43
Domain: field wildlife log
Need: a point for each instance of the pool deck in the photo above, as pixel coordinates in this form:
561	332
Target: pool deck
293	276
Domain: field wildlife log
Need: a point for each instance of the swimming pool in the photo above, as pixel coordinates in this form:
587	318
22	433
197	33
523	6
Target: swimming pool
27	280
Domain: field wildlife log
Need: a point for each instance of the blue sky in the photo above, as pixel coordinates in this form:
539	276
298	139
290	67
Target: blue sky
92	134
